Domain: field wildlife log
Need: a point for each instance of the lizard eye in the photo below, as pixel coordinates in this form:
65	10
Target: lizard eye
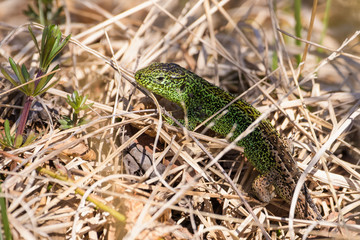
160	79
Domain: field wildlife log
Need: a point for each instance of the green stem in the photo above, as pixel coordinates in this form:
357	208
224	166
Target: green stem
75	119
26	109
24	115
4	218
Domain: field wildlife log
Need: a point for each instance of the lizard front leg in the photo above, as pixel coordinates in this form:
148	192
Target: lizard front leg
263	187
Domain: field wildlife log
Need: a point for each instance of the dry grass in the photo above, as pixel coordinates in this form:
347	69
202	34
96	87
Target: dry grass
112	157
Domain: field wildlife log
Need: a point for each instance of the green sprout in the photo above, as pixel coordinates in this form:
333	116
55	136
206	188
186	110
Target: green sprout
77	102
45	12
51	46
33	88
9	140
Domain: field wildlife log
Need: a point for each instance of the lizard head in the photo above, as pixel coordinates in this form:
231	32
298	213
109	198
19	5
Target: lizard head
168	80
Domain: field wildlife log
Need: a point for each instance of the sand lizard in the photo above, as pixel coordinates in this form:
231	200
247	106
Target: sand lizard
263	147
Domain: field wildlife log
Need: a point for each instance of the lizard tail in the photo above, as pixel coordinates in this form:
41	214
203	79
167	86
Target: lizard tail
312	212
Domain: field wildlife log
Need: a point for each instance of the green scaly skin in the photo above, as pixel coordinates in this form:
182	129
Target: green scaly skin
263	147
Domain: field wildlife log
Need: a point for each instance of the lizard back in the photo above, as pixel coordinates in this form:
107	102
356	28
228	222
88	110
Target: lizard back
263	147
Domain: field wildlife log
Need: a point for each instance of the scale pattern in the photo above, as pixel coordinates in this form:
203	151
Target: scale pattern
263	147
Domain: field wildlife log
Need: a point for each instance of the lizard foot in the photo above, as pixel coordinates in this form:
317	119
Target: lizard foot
263	188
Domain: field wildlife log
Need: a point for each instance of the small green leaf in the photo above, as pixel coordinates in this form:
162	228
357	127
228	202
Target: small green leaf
15	68
62	121
57	37
66	122
18	141
64	127
44	35
25	73
45	12
8	137
8	77
46	54
83	100
51	45
31	137
59	48
83	121
47	88
44	81
4	218
41	84
45	48
33	37
68	99
8	141
30	89
19	75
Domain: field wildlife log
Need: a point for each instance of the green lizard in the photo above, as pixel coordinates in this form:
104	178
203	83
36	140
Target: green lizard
263	147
